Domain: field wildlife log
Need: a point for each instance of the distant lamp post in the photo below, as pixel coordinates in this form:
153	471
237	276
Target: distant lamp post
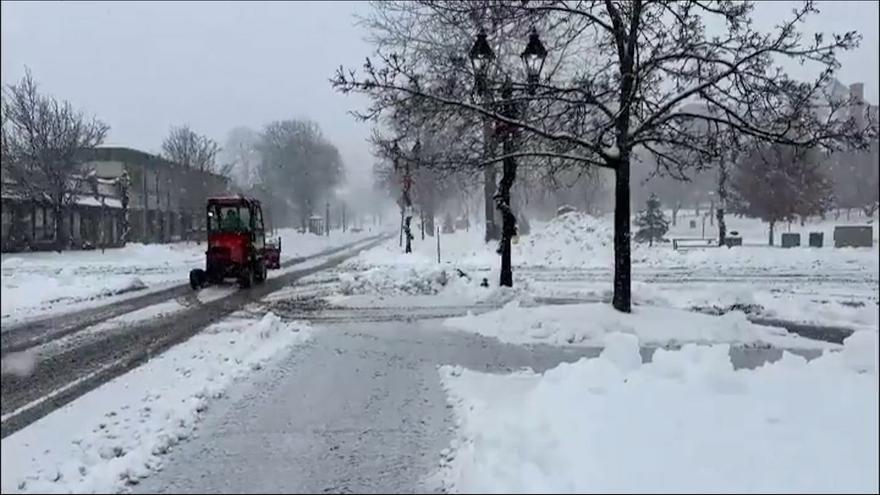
533	59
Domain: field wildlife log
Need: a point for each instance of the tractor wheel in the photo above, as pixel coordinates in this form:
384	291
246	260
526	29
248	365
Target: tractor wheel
246	279
260	273
196	278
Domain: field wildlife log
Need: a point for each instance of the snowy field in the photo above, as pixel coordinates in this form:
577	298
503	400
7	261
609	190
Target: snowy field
115	435
686	422
571	257
44	282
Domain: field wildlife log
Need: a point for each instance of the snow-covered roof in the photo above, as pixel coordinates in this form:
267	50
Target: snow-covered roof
83	200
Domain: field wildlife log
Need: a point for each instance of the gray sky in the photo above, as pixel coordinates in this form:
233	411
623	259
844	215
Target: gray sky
143	67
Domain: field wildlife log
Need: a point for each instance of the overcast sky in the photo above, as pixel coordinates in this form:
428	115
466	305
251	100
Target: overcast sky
143	67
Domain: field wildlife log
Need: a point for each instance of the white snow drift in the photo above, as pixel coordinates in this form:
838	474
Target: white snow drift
588	324
116	434
685	423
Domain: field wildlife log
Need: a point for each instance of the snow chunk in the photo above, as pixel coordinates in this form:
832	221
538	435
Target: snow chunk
860	351
622	350
18	363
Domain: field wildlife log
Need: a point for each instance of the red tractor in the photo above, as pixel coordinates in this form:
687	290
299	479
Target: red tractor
236	243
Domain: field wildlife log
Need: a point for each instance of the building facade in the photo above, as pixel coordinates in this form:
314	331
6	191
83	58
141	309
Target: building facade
123	195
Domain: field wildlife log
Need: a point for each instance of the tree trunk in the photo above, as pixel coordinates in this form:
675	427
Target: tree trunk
429	216
60	237
407	206
722	228
508	220
674	216
622	300
489	184
771	232
406	230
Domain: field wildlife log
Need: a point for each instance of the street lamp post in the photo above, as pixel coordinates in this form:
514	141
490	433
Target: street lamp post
405	202
482	56
533	57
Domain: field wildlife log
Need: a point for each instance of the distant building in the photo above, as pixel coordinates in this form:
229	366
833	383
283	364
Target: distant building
129	195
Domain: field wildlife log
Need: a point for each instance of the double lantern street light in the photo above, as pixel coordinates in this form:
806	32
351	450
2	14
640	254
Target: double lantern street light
482	57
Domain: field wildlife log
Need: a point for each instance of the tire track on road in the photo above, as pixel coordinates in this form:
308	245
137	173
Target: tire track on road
18	338
69	374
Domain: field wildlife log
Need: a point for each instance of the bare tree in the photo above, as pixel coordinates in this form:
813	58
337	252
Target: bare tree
857	179
299	164
627	76
778	183
42	142
192	150
240	152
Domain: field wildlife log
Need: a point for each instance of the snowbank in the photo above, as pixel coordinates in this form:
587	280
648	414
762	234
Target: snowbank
685	423
41	282
571	239
588	324
116	434
38	282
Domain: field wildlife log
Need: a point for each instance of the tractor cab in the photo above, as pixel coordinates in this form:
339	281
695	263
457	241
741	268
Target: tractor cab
236	243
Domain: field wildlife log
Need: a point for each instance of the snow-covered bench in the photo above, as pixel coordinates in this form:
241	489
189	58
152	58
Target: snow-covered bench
693	242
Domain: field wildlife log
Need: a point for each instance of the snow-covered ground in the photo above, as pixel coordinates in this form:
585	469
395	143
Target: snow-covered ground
43	282
116	434
571	257
686	422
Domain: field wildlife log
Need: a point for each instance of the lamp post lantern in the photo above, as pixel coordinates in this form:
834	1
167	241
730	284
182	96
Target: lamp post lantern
533	59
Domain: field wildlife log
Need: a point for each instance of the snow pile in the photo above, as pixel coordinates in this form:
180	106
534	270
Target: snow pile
386	270
588	324
571	239
115	435
41	281
687	422
395	280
